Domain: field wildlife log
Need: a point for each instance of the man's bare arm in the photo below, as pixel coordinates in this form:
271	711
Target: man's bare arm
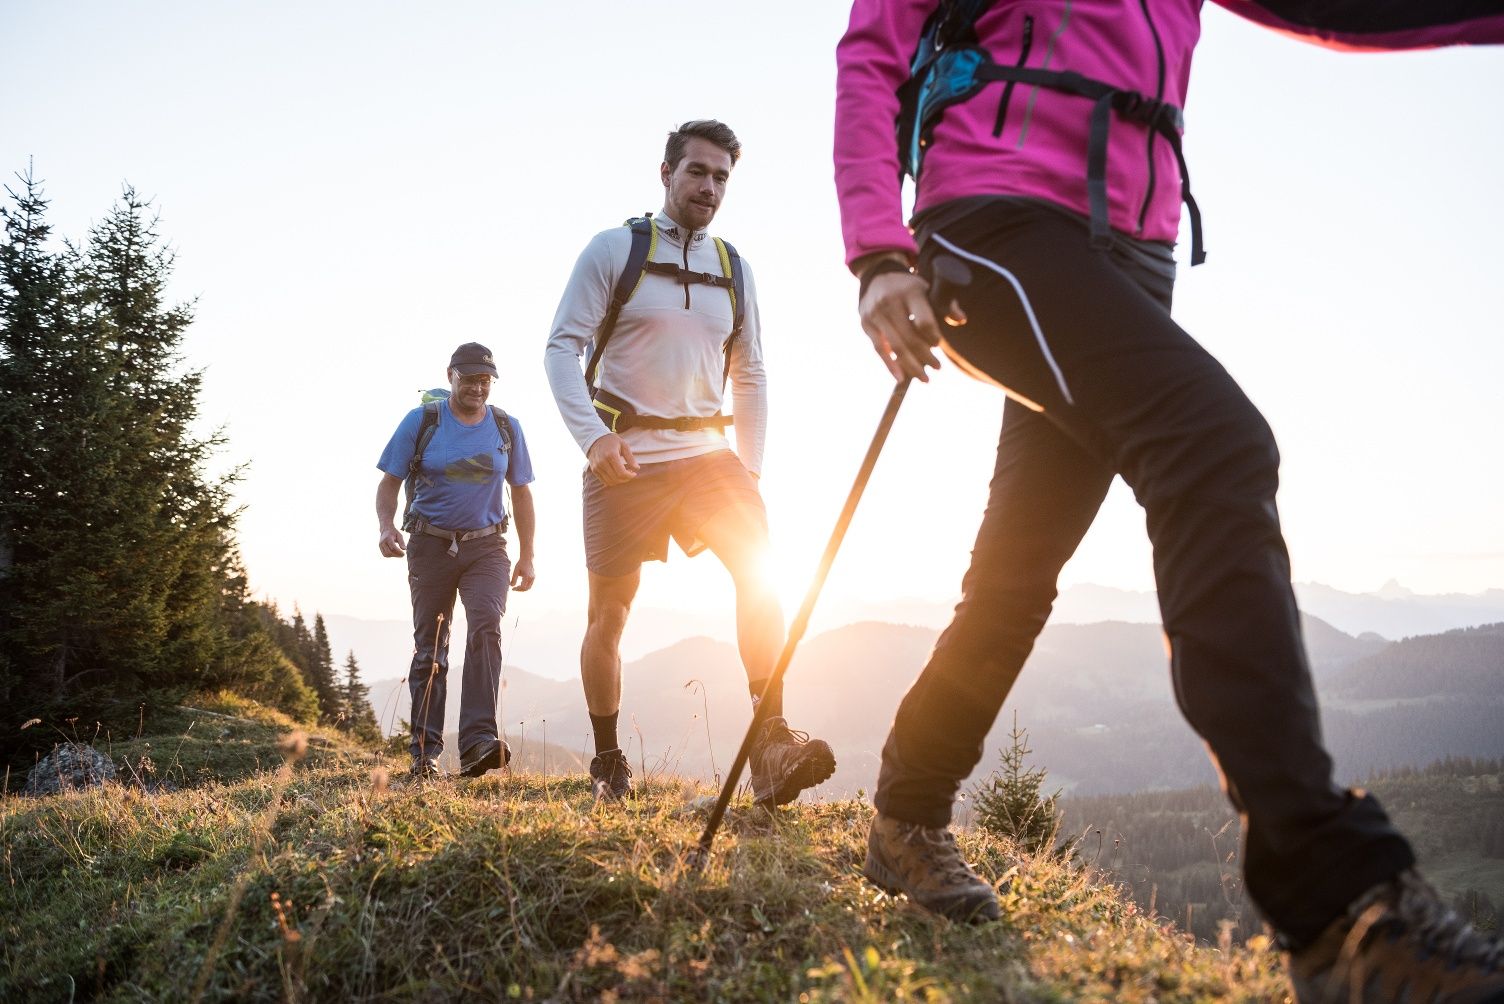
391	542
523	513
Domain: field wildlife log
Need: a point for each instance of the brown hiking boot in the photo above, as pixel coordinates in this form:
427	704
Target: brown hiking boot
785	762
1399	941
610	777
924	863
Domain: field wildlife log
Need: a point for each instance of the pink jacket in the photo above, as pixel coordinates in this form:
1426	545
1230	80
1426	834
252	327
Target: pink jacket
1144	46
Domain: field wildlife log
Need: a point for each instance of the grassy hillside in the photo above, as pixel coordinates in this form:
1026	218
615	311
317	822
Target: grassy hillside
325	879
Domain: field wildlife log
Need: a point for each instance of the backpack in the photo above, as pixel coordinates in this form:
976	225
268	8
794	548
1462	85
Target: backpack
427	426
640	262
949	65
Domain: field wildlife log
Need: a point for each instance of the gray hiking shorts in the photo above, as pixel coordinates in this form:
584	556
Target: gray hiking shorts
630	523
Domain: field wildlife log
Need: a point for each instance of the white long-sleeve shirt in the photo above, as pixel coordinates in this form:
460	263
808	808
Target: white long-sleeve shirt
664	358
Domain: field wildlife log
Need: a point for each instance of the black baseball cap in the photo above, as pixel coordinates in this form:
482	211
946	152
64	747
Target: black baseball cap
472	358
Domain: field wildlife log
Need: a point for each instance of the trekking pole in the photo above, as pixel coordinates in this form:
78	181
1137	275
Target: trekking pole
949	275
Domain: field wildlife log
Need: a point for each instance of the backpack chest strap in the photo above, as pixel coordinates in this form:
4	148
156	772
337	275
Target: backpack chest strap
685	276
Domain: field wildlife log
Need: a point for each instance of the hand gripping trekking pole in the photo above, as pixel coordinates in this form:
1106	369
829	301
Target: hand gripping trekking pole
949	275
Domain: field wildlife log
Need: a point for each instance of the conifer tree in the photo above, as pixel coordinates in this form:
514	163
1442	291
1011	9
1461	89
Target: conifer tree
1008	803
255	663
321	672
116	546
34	324
181	524
358	716
300	646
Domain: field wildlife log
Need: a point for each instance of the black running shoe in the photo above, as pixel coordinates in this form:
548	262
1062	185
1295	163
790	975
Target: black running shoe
610	777
785	762
488	754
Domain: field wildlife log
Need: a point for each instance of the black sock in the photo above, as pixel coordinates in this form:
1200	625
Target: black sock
774	697
605	731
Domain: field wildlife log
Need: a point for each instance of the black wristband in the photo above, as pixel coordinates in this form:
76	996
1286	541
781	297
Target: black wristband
880	267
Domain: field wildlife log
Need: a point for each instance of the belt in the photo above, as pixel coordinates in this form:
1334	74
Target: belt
456	536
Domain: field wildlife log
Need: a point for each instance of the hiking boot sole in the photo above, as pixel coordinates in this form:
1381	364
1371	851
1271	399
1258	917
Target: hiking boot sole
975	909
816	765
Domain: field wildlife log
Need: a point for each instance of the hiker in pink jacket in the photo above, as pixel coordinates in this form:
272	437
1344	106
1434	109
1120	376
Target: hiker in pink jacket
1044	139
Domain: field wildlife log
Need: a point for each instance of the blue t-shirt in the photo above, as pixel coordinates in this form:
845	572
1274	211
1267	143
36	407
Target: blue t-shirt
459	484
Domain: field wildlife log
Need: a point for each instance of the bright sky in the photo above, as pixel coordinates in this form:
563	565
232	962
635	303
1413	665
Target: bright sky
353	189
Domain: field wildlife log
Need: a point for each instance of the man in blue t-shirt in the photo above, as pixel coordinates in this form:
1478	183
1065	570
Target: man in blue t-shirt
457	519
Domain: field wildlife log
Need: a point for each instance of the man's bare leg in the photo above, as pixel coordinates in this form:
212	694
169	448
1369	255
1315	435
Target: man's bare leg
600	672
783	763
737	535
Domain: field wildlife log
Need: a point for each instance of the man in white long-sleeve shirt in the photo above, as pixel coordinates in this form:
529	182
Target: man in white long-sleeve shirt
647	414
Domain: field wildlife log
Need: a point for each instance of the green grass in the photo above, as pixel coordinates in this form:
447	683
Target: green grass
323	881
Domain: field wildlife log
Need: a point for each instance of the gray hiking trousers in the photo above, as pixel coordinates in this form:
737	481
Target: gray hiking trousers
479	575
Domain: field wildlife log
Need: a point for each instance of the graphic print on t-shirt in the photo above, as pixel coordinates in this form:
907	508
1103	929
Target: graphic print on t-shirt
476	470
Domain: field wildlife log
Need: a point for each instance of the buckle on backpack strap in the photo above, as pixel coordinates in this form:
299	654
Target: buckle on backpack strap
1160	116
616	415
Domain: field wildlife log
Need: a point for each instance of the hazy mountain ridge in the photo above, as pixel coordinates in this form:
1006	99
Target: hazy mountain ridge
548	644
1391	612
1095	698
1395	612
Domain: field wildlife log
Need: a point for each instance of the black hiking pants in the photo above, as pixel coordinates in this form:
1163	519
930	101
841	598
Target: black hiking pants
1087	335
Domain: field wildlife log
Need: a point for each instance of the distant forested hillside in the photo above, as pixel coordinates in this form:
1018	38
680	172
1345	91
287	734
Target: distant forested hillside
1178	851
1468	662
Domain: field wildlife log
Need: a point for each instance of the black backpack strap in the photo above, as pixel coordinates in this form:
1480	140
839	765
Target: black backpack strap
644	243
950	66
1159	117
427	425
687	276
504	427
956	21
639	263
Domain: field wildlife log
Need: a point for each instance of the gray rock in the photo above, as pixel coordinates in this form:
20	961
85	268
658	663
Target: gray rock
68	767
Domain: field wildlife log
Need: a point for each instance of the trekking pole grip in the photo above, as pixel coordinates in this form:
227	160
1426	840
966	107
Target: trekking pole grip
948	277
